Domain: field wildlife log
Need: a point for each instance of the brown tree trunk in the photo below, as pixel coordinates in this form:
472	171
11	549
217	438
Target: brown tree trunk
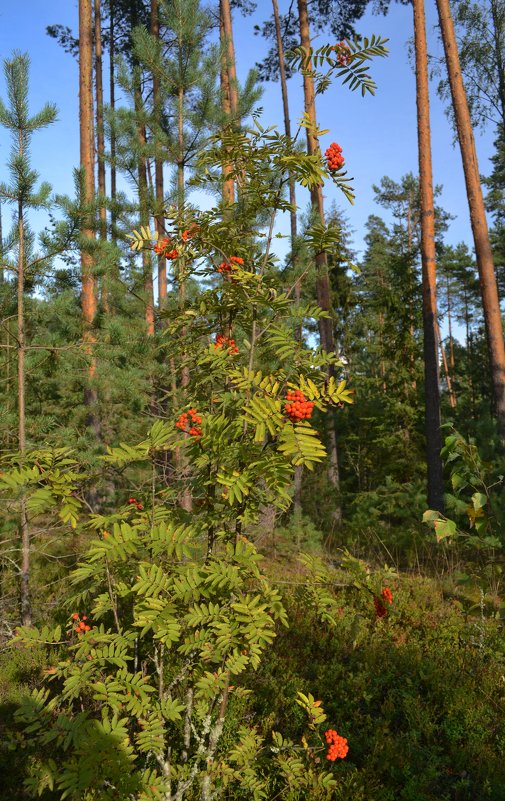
112	98
147	267
297	497
228	182
431	372
87	141
158	166
487	277
26	615
287	125
100	135
100	143
230	58
323	290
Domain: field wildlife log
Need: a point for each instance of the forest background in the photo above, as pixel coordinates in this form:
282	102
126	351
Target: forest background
191	388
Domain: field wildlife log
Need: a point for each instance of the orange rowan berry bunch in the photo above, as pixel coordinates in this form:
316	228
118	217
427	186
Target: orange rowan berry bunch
343	54
164	247
338	745
191	428
227	266
386	598
387	595
225	342
297	406
80	625
135	502
334	157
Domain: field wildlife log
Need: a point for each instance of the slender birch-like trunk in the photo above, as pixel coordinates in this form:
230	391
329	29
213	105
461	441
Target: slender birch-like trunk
322	278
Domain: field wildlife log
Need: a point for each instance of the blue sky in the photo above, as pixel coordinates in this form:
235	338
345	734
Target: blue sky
377	134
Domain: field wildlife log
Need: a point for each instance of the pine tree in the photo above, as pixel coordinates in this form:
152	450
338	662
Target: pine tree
489	290
430	324
23	194
87	151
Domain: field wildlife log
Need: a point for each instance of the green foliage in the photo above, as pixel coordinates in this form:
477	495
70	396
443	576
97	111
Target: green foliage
353	68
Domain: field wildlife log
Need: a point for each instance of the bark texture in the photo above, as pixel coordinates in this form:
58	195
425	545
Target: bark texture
483	250
158	166
430	326
87	147
228	182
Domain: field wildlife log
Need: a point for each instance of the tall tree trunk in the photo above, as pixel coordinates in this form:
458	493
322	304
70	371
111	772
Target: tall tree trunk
448	294
158	166
297	497
228	181
112	100
147	266
100	142
287	129
230	58
143	189
431	372
410	274
87	142
186	497
484	253
322	278
100	135
26	614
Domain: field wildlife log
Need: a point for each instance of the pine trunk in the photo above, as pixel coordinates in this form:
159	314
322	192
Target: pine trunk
322	278
431	371
100	143
112	99
230	58
228	182
100	134
158	166
297	497
26	616
88	296
143	187
483	250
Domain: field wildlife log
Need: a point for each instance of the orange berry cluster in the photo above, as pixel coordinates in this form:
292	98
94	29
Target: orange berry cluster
334	156
225	342
344	54
338	745
298	407
164	247
183	423
81	626
227	266
134	502
387	595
